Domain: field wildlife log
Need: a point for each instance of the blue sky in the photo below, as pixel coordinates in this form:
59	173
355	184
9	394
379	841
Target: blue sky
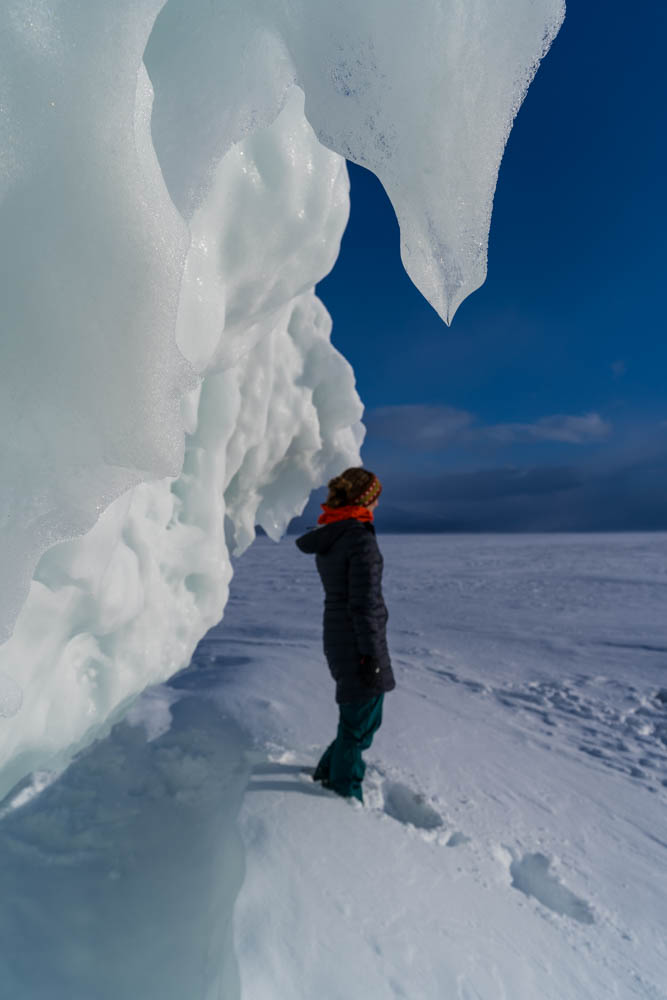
543	406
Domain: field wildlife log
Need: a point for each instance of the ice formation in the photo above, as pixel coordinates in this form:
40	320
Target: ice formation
276	412
167	206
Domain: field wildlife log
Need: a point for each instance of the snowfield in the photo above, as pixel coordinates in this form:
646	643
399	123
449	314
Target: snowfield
513	843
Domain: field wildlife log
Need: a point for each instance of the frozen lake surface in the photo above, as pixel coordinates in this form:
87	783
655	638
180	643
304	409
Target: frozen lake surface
513	843
530	719
568	633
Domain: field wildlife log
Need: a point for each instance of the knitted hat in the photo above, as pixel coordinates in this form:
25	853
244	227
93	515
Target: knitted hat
354	487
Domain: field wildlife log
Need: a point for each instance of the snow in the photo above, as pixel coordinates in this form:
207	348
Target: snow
529	715
172	187
512	838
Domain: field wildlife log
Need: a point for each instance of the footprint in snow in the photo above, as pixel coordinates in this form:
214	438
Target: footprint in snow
457	839
406	806
531	876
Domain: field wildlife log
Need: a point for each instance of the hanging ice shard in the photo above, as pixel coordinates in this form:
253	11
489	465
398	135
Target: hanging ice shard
423	95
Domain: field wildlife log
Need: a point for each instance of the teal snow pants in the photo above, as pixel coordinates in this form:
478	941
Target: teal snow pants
341	767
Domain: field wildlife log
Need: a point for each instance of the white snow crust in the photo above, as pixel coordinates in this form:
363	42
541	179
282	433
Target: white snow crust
167	204
512	838
530	715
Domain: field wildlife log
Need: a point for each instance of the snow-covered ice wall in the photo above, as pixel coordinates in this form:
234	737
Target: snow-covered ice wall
166	207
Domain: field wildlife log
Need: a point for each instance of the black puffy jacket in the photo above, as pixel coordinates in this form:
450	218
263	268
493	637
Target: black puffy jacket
355	616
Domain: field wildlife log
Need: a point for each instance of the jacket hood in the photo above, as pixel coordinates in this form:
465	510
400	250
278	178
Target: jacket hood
319	540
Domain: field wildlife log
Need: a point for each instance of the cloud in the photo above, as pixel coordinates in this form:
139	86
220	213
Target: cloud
429	428
563	428
492	484
630	497
434	428
620	486
627	494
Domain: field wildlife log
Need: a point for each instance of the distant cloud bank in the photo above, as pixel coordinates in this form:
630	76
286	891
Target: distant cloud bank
434	428
618	484
629	497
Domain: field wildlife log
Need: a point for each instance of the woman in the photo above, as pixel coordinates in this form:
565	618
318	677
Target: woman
355	617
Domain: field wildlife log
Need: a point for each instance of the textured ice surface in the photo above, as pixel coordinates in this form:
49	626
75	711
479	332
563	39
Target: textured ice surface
164	362
276	413
90	265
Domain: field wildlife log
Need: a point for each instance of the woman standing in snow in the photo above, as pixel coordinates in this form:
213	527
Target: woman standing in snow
355	617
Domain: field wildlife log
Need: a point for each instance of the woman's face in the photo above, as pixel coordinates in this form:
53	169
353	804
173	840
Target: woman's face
373	505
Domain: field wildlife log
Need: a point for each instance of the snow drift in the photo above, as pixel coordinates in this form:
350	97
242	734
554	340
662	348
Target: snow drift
167	204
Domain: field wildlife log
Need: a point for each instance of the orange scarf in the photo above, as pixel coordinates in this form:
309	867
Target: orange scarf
332	514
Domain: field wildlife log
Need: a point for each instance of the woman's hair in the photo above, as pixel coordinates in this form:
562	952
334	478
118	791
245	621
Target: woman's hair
354	486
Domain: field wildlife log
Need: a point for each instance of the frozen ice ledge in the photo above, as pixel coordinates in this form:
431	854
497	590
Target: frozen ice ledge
172	187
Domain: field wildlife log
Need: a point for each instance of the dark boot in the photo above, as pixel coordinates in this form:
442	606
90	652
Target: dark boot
321	772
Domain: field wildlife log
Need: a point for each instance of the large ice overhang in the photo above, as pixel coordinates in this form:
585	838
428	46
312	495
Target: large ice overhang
165	364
